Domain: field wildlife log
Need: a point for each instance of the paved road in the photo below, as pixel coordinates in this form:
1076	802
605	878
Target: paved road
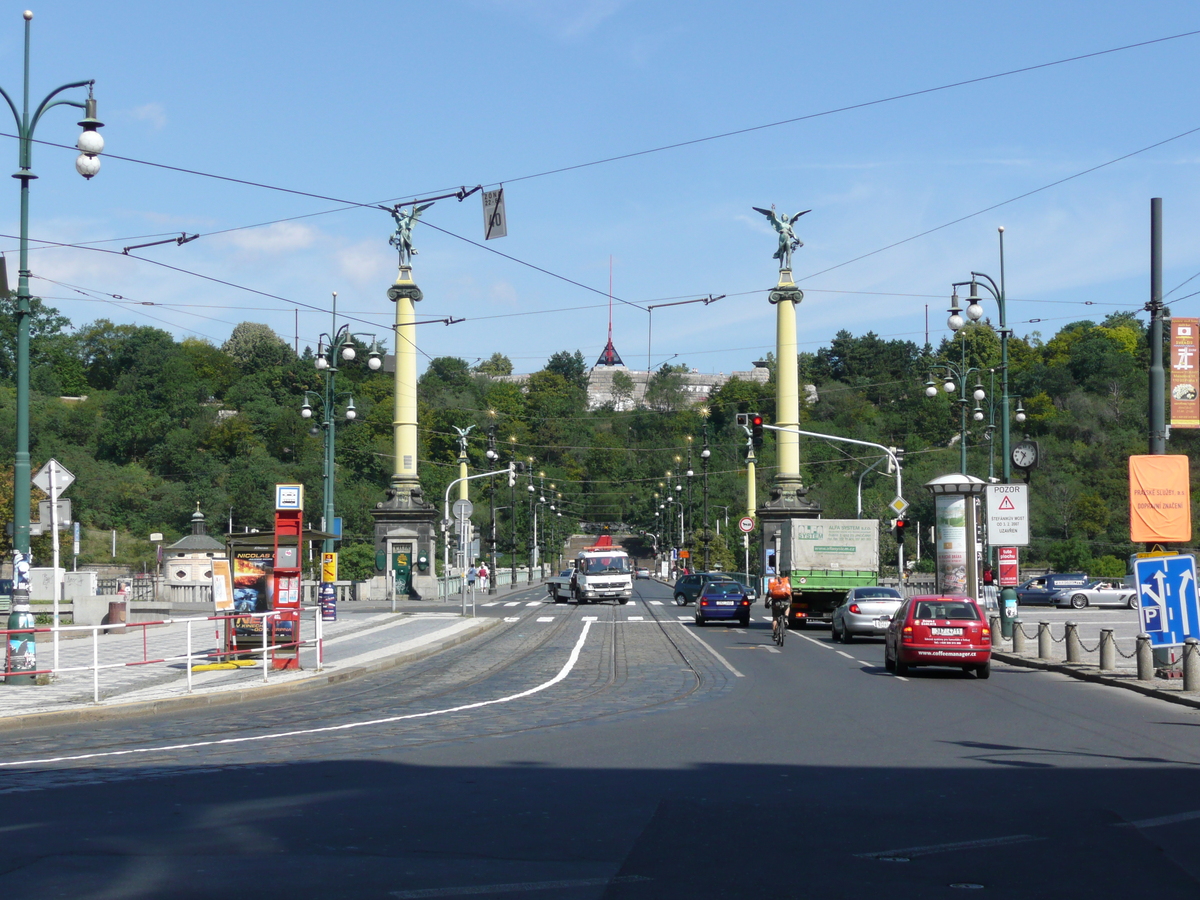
616	751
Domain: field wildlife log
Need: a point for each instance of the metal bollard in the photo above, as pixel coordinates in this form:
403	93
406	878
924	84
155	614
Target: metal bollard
994	625
1145	658
1074	651
1018	637
1044	640
1191	665
1108	648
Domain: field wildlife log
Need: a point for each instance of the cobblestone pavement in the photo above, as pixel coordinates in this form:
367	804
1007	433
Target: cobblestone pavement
631	661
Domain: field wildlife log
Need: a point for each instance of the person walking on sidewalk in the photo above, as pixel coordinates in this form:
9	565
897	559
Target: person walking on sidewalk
483	577
472	574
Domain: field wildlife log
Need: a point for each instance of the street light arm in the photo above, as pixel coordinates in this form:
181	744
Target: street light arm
995	291
13	107
50	102
834	437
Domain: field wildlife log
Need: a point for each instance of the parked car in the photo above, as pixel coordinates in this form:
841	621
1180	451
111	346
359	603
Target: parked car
934	630
866	611
1043	589
723	600
642	573
1097	593
688	588
559	586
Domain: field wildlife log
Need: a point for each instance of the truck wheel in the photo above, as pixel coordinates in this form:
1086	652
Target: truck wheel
624	600
558	598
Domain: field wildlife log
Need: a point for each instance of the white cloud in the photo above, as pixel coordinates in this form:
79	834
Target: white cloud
282	237
152	113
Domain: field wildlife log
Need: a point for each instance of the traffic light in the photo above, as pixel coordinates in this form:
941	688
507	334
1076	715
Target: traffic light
899	528
756	429
512	474
743	419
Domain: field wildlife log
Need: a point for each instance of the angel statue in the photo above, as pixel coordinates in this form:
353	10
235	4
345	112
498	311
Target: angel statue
402	239
787	238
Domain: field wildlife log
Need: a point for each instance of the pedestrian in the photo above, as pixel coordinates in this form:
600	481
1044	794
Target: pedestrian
472	574
483	577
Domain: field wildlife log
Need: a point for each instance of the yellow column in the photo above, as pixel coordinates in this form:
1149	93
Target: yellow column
787	382
462	473
751	486
404	424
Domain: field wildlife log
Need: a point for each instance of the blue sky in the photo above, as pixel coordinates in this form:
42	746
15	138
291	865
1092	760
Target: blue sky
375	101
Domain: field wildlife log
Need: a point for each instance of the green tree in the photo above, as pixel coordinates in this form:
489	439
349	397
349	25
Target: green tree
495	365
255	347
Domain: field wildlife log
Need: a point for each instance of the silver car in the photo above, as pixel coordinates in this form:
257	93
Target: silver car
866	611
1097	593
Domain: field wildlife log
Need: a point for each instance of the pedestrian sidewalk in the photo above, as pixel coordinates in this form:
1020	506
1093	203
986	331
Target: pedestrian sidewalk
367	637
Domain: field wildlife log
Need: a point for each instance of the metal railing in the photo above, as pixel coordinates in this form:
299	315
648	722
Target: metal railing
268	652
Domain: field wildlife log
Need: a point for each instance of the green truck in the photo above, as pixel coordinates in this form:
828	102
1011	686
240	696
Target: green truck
825	558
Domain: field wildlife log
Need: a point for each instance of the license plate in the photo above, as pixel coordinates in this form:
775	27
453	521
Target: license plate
882	622
946	632
726	603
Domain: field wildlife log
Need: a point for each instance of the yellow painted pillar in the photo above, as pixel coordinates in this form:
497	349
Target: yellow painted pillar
751	486
404	424
787	378
462	473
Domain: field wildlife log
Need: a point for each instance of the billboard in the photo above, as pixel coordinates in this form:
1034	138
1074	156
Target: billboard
951	543
1185	387
1160	503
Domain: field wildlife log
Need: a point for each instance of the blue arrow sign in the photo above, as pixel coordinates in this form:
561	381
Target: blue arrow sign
1167	598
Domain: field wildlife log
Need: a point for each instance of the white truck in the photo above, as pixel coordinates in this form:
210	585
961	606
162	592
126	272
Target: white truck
824	558
602	572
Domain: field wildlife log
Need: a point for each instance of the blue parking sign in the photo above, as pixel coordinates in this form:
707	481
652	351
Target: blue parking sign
1167	598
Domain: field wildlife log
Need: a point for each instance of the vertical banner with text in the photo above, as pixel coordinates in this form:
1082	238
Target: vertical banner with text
1160	502
1185	389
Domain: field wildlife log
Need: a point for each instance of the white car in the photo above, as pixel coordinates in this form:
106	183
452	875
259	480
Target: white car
642	573
1097	593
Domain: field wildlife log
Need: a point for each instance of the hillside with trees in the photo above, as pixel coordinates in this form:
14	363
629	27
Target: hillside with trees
152	426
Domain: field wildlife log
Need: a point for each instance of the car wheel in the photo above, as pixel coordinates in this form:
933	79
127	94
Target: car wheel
900	667
1132	603
847	637
984	670
700	621
680	600
888	662
744	621
1079	601
624	600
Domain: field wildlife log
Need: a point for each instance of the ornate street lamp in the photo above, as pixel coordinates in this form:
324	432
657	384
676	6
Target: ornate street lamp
328	349
90	145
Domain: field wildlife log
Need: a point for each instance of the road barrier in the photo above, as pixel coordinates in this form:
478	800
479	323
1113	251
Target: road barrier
189	656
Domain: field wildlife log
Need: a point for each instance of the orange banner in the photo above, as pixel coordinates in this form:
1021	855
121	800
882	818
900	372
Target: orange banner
1185	386
1160	501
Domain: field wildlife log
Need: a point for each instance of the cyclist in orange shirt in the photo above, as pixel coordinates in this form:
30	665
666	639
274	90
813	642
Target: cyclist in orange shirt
779	599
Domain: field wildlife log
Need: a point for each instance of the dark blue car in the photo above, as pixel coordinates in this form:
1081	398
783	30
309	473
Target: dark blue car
723	600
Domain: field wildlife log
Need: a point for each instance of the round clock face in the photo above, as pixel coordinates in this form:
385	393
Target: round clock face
1024	455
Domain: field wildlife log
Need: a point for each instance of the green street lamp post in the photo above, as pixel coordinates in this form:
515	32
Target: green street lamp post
91	144
955	382
329	348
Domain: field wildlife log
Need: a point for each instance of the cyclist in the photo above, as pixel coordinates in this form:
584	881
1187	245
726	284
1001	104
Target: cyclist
779	601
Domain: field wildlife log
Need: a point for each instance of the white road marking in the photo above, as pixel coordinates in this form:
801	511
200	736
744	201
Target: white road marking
493	603
820	644
513	603
545	618
517	888
656	603
635	618
683	618
325	729
591	618
847	655
913	852
722	659
766	618
1164	820
900	678
534	603
512	618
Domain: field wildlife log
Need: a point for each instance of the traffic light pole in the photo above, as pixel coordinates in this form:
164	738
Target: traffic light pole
446	523
891	454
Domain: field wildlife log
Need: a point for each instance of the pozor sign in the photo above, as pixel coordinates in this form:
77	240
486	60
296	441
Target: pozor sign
1008	515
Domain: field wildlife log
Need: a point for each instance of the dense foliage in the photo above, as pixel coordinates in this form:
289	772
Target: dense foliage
151	427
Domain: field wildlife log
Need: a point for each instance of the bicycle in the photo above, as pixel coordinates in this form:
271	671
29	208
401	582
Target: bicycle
779	622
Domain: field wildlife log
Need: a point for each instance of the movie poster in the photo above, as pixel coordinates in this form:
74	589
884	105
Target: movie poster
252	586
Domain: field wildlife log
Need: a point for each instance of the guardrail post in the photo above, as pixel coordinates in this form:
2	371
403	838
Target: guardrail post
1073	649
1044	640
1108	655
1191	665
995	626
1145	658
1018	637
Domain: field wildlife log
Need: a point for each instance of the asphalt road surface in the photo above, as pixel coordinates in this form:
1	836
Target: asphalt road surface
618	752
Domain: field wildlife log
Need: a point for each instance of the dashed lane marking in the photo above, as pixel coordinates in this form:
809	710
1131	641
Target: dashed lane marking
512	618
820	644
1164	820
913	852
635	618
493	603
683	618
513	603
545	618
847	655
656	603
719	657
535	603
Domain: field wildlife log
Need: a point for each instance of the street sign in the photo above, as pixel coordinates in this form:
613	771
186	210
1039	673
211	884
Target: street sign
1009	576
746	524
62	478
898	506
1167	601
1008	515
495	224
463	509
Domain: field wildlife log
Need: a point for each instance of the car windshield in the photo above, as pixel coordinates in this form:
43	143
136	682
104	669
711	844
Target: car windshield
877	594
606	565
947	609
722	589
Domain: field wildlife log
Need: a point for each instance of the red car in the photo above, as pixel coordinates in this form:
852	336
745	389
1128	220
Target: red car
935	630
